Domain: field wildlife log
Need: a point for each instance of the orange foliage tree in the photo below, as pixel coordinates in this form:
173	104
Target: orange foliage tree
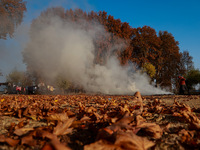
11	15
140	45
171	60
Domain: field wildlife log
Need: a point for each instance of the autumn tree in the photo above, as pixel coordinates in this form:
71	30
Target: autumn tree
146	45
11	15
19	78
186	62
140	45
170	63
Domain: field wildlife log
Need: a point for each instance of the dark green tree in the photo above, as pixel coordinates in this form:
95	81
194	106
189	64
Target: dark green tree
193	78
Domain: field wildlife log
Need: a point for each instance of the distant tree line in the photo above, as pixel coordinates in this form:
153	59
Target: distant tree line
145	47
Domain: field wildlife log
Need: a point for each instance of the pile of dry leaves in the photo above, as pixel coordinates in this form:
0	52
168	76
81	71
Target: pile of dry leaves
97	122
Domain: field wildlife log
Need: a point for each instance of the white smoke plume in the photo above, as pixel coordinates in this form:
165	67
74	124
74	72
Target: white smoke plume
65	48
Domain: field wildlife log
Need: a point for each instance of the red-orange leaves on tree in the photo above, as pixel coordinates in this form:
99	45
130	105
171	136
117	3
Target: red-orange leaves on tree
11	15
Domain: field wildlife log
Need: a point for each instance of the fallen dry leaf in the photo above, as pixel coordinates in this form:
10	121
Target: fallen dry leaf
101	145
101	122
62	128
151	129
22	131
8	140
28	140
58	117
133	142
192	119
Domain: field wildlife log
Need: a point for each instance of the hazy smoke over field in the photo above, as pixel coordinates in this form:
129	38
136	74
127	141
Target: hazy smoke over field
68	50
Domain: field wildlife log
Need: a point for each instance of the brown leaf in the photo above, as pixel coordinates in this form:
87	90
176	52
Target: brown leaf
85	118
138	101
138	97
101	145
151	129
54	143
25	112
8	140
81	106
185	136
59	146
28	140
90	110
19	113
21	124
133	142
139	120
192	119
48	147
22	131
45	134
59	117
105	133
62	128
12	142
70	113
2	138
126	120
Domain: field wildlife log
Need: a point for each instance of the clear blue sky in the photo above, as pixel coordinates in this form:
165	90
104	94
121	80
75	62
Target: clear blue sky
179	17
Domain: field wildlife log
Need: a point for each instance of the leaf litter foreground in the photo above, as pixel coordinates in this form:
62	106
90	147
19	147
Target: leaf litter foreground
75	122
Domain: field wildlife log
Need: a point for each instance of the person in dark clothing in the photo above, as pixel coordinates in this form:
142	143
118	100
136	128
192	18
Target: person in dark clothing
182	85
32	89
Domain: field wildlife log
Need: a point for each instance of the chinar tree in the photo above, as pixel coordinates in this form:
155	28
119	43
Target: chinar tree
11	15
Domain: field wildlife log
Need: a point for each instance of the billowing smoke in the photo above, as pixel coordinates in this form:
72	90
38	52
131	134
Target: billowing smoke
64	48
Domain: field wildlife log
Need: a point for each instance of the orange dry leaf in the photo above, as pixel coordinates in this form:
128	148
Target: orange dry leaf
55	145
70	113
28	140
22	131
90	110
133	142
105	133
62	128
101	145
192	119
139	120
59	146
85	118
10	141
58	117
48	147
151	129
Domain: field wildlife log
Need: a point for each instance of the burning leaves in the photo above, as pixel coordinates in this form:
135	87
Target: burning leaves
97	122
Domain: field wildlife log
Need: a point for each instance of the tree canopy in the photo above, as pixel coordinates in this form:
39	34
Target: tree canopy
19	78
193	78
11	15
143	44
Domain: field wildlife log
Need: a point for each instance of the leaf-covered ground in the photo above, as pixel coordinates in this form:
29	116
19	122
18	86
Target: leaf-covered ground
99	122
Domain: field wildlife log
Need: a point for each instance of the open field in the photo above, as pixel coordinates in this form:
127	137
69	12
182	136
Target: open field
99	122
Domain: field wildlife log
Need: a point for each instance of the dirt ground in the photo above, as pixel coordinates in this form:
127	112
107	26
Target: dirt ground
192	100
